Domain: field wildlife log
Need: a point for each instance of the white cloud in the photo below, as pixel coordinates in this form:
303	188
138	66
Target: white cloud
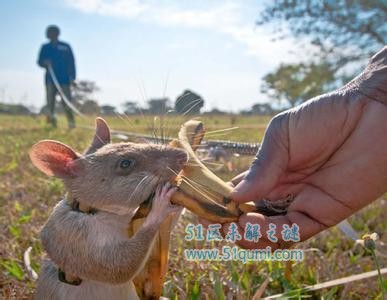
224	17
119	8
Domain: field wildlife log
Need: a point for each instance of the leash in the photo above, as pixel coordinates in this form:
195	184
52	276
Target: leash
62	94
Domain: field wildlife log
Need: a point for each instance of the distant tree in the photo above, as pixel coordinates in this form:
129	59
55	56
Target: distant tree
189	103
14	109
344	34
90	107
215	111
263	109
84	90
131	108
245	112
297	83
158	106
108	110
343	31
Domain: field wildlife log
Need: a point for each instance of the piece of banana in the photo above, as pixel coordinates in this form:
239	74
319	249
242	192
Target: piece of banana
204	193
150	280
200	190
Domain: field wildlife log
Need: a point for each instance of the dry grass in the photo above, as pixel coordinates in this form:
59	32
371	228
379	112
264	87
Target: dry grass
27	198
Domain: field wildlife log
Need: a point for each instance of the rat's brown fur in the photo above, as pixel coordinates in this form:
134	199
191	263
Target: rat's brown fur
96	247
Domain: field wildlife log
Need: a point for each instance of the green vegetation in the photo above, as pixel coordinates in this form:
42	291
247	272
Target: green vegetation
335	39
27	198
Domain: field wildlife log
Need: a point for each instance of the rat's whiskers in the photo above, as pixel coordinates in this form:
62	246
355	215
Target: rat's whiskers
139	187
197	187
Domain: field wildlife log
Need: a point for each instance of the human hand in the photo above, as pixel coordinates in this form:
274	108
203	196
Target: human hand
161	205
46	63
330	152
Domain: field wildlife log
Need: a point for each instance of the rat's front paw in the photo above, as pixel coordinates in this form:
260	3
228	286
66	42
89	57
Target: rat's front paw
162	206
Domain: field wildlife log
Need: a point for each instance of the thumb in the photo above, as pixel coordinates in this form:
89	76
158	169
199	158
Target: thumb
270	163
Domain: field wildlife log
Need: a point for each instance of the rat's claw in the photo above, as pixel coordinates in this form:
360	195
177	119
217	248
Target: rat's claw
171	191
166	188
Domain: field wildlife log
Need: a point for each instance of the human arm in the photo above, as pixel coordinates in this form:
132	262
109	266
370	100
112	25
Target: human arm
43	58
71	65
330	153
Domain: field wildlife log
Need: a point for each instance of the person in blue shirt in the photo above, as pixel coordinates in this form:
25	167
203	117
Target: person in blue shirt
59	56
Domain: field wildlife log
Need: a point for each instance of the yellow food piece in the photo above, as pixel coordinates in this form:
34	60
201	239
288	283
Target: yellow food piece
206	194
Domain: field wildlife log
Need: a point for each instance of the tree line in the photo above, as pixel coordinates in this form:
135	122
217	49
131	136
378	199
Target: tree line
187	103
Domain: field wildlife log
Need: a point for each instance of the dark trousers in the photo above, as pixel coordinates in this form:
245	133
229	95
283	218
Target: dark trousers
51	96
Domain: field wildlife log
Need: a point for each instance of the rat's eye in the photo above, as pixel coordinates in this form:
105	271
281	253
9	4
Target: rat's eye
125	166
126	163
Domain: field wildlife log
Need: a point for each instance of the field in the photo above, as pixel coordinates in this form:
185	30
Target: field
27	197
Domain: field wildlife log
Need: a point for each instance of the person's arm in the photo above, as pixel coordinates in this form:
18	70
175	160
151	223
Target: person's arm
71	66
43	59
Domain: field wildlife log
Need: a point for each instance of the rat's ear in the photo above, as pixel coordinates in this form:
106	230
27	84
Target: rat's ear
55	159
101	137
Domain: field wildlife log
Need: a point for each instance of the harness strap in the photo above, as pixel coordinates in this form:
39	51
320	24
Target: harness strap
81	208
73	280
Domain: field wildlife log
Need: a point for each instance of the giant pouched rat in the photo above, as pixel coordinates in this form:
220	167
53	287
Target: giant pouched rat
91	256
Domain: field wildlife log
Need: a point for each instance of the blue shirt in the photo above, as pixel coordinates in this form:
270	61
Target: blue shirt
61	58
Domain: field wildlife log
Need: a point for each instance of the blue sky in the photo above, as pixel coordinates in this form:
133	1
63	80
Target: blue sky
211	47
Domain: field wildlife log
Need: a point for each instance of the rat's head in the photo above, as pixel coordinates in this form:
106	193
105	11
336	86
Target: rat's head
114	177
